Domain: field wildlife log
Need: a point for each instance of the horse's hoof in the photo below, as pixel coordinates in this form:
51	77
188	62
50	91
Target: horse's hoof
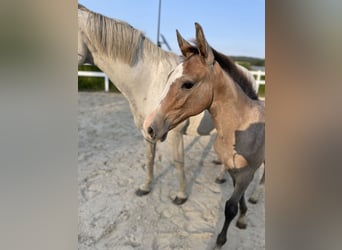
179	201
221	240
217	162
140	192
220	181
253	200
241	225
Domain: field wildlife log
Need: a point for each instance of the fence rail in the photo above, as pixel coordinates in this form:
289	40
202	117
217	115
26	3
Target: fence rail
96	74
258	79
259	74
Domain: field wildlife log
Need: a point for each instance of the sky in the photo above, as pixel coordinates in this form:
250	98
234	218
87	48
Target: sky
233	27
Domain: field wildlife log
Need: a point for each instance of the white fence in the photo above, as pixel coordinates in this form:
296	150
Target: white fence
258	80
258	75
96	74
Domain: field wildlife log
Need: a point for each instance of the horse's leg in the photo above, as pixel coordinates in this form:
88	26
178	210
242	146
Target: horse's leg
258	190
177	144
150	153
241	222
242	179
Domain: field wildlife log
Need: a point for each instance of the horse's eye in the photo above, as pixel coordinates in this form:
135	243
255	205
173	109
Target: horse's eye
187	85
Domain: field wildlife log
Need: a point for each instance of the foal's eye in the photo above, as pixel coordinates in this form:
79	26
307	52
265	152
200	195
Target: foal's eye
187	85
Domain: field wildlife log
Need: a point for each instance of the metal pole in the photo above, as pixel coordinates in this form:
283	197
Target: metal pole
158	30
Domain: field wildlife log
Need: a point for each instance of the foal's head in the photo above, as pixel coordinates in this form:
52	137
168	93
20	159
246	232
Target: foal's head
189	88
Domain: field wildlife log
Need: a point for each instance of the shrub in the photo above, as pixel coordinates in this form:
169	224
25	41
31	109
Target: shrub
93	83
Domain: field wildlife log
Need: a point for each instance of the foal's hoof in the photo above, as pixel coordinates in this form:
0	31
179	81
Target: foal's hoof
220	181
253	200
140	192
221	240
241	225
179	201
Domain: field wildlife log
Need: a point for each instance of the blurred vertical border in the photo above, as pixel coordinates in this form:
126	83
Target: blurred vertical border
303	124
38	124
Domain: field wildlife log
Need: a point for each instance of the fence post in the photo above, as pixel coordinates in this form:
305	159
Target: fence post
106	84
258	80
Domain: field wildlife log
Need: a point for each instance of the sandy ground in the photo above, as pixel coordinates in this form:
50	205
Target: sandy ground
111	166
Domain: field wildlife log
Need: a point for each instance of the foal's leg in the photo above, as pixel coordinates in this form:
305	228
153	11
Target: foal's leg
258	190
241	222
242	178
177	144
150	153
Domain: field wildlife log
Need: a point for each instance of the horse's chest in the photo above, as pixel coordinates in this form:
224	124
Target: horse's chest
241	147
224	147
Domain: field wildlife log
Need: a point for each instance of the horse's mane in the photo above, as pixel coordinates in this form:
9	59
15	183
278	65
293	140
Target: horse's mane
81	7
119	39
229	66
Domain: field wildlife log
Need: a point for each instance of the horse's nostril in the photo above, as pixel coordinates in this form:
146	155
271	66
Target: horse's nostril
150	131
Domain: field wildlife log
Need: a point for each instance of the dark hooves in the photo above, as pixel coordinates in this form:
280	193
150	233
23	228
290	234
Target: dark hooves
253	201
241	225
179	201
221	240
140	192
217	162
220	181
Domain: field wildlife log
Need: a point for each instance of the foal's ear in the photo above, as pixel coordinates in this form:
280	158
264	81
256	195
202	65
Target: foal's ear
186	48
203	47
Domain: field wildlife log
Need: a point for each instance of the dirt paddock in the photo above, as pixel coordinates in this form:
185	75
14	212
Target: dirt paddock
111	158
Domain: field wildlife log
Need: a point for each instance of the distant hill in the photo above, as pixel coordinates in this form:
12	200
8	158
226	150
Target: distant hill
248	62
252	60
243	60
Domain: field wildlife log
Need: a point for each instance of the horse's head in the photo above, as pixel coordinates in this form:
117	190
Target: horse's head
188	89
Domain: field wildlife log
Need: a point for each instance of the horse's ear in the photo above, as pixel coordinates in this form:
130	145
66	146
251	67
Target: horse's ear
203	47
186	48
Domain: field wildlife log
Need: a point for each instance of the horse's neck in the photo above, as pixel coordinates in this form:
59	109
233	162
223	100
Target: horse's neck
139	83
232	112
230	106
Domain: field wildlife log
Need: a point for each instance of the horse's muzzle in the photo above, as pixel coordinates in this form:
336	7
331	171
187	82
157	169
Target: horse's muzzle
151	132
154	136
